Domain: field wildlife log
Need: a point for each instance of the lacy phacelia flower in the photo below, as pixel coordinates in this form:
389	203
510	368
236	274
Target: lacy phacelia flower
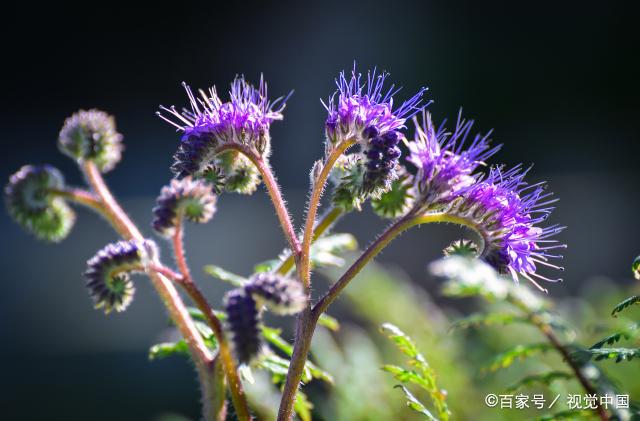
31	202
243	321
506	211
108	273
445	162
363	111
279	294
244	119
188	198
91	136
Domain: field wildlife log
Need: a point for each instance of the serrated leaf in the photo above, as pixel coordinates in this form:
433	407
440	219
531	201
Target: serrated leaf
166	349
403	341
303	406
625	304
329	322
619	354
630	332
224	275
519	352
488	319
415	404
406	376
544	379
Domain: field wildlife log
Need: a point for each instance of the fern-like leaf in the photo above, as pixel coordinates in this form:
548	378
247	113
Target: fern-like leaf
625	304
619	354
488	319
519	352
415	404
420	374
630	332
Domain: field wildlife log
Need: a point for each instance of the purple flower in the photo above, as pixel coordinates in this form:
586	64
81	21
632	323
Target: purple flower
507	212
210	122
244	324
279	294
363	110
445	161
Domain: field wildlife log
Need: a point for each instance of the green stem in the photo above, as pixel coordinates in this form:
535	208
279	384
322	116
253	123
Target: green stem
307	321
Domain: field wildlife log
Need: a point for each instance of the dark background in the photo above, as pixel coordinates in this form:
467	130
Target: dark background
558	82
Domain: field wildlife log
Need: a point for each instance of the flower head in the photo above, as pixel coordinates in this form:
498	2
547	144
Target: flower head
507	212
445	161
188	198
243	321
31	202
363	111
245	119
279	294
91	136
108	273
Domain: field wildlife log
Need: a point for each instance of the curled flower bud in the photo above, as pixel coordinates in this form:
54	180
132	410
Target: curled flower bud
31	203
215	176
279	294
188	198
347	175
635	267
91	136
243	321
245	119
397	201
108	273
363	111
464	248
506	211
445	169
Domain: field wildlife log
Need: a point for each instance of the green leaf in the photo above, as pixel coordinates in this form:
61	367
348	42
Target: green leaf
519	352
224	275
420	374
303	406
545	379
415	404
624	304
166	349
266	266
325	250
619	354
630	332
329	322
488	319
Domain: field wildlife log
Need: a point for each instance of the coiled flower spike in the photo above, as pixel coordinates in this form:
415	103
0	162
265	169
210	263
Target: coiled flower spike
108	273
91	136
31	203
244	322
446	161
506	211
192	199
363	111
245	119
279	294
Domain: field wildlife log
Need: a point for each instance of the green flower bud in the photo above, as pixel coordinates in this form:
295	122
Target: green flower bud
397	200
31	203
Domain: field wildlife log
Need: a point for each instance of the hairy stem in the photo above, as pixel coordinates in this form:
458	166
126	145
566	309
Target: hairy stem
228	363
81	197
112	211
548	332
312	210
323	225
272	188
307	321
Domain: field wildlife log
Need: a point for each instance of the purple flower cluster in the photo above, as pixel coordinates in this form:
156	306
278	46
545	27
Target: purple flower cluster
244	323
362	110
507	212
245	119
108	273
445	162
